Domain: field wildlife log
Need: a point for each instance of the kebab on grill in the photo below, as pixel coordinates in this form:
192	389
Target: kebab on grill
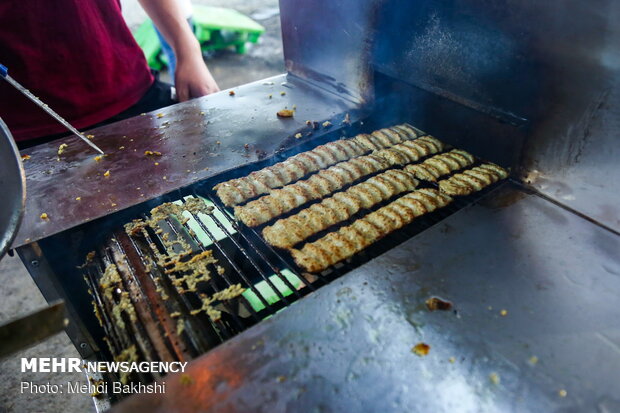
323	183
236	191
440	165
386	137
347	241
472	180
285	233
410	151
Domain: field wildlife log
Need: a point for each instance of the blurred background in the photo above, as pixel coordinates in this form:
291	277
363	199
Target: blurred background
230	67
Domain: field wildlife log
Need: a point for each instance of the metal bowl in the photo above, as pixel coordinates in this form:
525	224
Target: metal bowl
12	187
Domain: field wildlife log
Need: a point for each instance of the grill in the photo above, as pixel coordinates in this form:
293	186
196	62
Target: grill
527	85
166	324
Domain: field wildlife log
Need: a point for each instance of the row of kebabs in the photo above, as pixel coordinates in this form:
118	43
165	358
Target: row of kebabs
398	146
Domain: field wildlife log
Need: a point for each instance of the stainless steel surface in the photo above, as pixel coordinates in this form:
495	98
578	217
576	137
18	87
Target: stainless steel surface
580	166
347	347
50	112
197	139
328	43
492	73
33	328
13	186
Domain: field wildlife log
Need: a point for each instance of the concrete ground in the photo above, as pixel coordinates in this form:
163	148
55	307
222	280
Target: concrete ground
18	293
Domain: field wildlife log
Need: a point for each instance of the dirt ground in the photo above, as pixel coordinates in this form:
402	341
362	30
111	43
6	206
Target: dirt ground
18	293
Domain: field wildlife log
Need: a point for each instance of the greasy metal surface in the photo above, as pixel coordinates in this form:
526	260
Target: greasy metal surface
197	139
51	287
547	72
580	168
32	328
555	274
328	43
13	187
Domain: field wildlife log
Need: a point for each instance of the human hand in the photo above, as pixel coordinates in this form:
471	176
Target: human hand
193	79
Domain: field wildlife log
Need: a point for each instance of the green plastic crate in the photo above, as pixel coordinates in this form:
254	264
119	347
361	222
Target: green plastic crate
216	28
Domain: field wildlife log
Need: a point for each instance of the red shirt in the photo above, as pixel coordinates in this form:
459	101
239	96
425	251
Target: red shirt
78	56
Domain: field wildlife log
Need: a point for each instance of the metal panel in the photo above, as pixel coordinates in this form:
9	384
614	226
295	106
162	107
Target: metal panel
347	347
197	139
549	69
327	43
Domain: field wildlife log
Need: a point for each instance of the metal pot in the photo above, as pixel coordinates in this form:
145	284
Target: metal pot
13	188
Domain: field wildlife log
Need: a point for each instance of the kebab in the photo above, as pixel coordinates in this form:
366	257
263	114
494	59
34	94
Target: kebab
472	180
236	191
323	183
285	233
440	165
347	241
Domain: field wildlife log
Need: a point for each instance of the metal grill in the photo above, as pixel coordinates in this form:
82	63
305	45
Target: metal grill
165	325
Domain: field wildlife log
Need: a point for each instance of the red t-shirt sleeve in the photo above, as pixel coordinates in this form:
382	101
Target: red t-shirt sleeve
78	56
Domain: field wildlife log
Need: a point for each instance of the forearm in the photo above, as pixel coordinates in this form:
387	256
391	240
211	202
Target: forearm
170	21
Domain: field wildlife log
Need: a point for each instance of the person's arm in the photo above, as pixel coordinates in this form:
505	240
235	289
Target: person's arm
192	78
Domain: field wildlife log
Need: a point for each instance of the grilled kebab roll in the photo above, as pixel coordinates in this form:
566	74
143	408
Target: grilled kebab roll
473	179
238	190
386	137
289	231
440	165
324	182
411	151
347	241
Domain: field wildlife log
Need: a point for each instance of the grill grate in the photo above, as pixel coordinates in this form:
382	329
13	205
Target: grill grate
166	325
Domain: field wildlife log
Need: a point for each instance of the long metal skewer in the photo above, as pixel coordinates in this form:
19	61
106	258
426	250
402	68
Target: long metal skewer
4	72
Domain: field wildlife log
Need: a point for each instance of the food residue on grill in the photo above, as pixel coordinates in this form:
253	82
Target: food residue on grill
121	148
152	153
503	313
270	96
533	360
129	355
286	113
347	119
436	303
44	216
282	93
62	148
180	326
562	393
90	136
98	158
312	124
327	124
159	115
25	157
494	377
452	360
106	173
231	93
421	349
186	379
78	198
298	136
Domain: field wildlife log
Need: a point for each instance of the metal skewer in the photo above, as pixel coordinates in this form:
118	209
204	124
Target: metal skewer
4	72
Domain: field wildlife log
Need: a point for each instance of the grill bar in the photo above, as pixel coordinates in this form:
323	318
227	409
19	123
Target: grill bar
251	260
